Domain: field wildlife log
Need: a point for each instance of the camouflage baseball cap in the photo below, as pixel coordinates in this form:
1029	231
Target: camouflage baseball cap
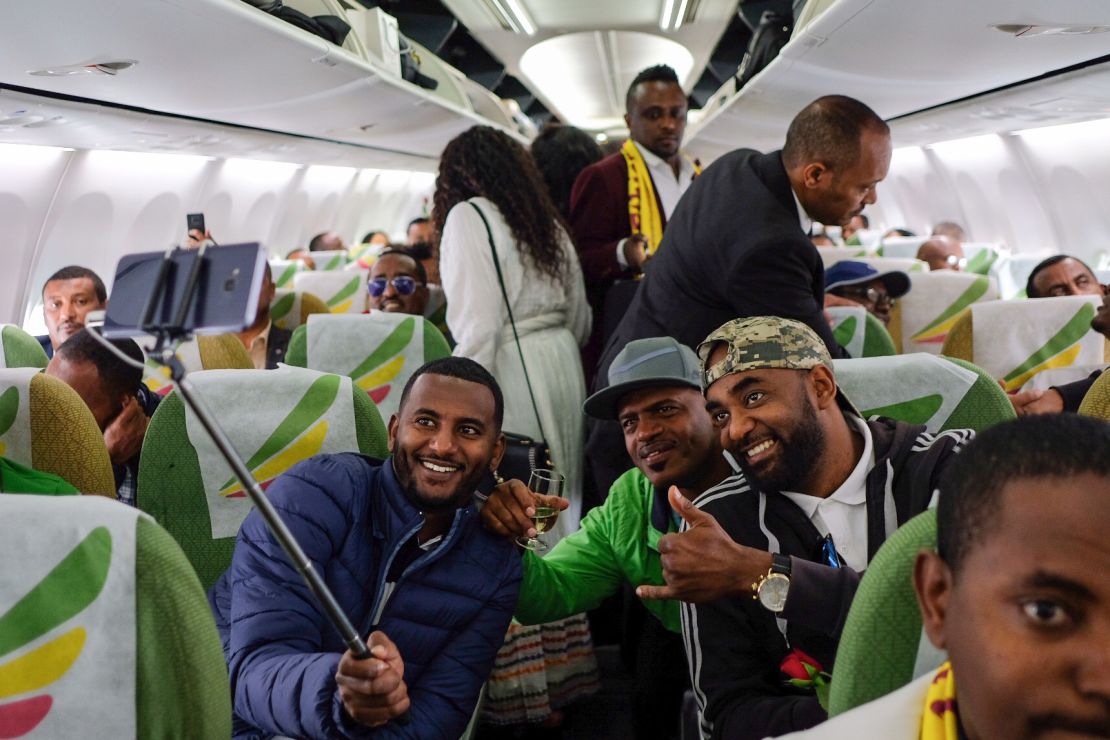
765	342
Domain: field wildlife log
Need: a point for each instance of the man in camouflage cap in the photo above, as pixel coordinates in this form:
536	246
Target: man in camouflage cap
772	556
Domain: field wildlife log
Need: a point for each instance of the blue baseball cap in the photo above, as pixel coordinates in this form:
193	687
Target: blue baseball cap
850	272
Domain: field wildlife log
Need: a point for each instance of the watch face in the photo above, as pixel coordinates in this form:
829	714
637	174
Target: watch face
772	592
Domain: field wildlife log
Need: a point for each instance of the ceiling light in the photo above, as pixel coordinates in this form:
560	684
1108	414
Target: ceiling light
1091	130
515	16
673	15
1022	30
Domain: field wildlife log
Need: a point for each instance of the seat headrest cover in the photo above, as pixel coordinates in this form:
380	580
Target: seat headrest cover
67	638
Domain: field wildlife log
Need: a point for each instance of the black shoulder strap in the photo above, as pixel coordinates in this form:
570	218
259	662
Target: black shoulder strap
509	308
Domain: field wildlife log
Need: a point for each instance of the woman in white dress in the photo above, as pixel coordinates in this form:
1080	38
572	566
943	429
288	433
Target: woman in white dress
540	668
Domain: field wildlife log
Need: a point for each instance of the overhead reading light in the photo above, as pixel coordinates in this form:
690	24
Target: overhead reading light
1022	30
673	15
110	68
513	15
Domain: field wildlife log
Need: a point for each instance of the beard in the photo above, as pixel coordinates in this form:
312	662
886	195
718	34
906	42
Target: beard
797	455
426	502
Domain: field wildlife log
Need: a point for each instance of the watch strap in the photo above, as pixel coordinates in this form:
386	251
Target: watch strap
781	564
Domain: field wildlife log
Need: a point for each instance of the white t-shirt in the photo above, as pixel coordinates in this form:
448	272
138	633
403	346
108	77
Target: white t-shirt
844	513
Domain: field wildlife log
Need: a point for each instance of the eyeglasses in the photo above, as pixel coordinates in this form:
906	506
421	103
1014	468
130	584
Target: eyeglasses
954	261
403	284
871	295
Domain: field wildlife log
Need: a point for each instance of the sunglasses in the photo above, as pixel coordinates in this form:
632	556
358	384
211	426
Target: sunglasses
402	284
871	295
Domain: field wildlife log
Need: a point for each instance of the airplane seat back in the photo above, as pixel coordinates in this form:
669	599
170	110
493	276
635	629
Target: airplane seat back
45	425
861	333
1015	340
284	270
275	419
1011	271
940	392
379	351
343	291
901	247
291	308
128	645
1097	401
209	352
883	646
330	260
981	256
923	317
831	255
905	264
20	349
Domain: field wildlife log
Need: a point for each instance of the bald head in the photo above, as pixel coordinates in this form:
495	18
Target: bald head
942	253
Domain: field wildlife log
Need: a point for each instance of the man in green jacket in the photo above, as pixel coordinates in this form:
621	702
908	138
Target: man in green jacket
654	394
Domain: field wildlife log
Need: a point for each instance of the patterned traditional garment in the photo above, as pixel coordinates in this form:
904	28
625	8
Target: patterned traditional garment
540	668
940	720
644	216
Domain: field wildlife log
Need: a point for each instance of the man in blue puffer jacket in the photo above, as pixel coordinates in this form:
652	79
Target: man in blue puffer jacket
401	547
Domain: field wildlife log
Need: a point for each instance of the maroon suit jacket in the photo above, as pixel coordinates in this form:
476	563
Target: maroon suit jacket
599	220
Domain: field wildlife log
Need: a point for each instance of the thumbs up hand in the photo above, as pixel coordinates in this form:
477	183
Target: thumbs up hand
703	563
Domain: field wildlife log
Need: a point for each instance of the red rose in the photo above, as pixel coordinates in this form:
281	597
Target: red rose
800	666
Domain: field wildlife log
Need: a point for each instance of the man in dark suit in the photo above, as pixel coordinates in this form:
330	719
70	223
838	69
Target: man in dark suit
738	244
265	343
610	248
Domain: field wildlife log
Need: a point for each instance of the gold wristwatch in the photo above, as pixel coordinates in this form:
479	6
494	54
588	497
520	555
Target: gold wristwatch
771	589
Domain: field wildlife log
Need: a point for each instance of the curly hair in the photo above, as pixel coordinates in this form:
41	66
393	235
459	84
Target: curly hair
483	161
561	153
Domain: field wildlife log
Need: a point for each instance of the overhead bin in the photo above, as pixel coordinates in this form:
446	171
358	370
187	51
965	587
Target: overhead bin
900	56
228	62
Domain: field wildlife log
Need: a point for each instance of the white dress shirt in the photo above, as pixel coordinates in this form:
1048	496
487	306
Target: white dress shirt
668	187
844	513
803	218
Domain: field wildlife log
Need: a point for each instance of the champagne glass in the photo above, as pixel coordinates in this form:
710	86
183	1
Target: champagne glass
545	483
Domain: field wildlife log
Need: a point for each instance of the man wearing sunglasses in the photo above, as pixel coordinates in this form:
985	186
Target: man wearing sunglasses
860	283
942	253
397	284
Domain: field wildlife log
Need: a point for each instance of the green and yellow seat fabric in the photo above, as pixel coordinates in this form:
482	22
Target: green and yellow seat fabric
363	255
858	331
903	247
215	352
1019	339
905	264
882	647
291	308
940	392
379	351
331	260
284	270
981	256
831	255
1097	401
343	291
45	425
923	317
20	349
104	628
274	418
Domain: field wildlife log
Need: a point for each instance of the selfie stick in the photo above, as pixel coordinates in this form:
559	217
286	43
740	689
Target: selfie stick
163	352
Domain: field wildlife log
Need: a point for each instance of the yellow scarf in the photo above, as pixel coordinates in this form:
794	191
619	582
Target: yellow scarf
939	720
643	208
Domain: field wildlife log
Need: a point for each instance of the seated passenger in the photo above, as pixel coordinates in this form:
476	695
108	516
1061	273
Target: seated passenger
419	231
822	240
771	557
654	392
942	253
16	478
304	256
862	284
855	223
114	392
401	548
265	342
376	238
1064	398
898	232
68	296
1060	275
1017	592
397	283
329	241
950	230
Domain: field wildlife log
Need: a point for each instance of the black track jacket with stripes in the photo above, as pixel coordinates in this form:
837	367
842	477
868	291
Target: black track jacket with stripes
735	646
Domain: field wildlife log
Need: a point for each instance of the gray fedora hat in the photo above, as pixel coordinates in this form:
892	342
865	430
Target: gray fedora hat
644	363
